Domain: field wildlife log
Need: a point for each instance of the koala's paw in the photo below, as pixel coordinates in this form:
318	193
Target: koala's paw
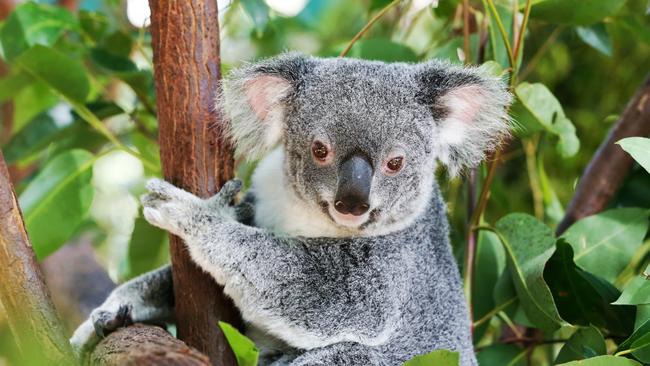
226	195
100	323
168	207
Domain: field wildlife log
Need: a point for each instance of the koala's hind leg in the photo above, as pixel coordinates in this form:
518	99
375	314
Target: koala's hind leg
148	298
347	353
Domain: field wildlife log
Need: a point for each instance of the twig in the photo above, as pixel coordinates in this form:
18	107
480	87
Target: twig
522	30
467	56
530	66
367	26
497	309
502	31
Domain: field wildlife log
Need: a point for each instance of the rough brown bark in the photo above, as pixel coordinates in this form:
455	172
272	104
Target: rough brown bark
194	154
608	168
25	298
145	345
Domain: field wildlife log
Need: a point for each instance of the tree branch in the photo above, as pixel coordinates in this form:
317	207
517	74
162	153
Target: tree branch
609	166
194	154
144	345
25	298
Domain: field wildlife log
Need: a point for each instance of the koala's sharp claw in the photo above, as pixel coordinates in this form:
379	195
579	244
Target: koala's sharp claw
230	190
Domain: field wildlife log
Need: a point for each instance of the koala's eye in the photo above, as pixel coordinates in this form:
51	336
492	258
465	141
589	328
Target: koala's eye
320	151
394	165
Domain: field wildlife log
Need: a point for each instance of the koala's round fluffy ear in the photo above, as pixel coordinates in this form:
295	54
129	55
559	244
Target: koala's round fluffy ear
254	100
469	109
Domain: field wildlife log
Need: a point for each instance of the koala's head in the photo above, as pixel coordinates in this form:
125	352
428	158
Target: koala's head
360	138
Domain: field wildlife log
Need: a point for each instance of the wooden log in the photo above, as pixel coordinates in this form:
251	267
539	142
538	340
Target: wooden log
145	345
24	296
194	154
608	168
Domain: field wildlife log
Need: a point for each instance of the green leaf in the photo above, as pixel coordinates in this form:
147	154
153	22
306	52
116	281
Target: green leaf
57	200
147	249
639	148
537	109
637	292
438	358
13	83
603	361
119	43
529	244
578	12
383	50
245	351
639	333
552	207
43	63
259	13
584	343
605	243
583	298
502	354
597	37
490	262
34	24
94	24
497	46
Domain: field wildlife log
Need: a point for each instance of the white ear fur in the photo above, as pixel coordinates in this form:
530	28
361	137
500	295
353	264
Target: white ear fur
476	121
254	105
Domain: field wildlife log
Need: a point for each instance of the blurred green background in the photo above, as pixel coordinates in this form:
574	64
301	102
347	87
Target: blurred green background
79	128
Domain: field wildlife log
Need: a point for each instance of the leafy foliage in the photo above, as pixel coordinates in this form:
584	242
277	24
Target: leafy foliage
81	86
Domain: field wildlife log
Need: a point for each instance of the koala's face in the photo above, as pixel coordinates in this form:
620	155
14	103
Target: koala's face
361	138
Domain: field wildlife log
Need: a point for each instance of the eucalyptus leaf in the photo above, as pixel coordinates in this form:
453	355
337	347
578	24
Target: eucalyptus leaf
605	243
57	200
94	24
603	361
147	249
490	262
382	49
502	354
258	12
638	344
537	109
584	343
583	298
244	349
637	292
575	12
597	37
438	358
639	148
39	61
34	24
529	244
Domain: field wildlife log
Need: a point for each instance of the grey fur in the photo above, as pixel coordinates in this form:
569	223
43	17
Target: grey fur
376	294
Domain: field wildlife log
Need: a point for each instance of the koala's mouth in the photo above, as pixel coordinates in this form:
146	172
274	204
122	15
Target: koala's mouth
347	220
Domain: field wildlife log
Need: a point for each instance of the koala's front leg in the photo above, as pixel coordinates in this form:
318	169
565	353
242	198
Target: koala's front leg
345	353
146	298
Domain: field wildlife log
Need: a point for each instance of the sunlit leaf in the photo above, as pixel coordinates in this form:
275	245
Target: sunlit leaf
438	358
39	61
34	24
584	343
258	12
597	37
637	292
579	12
639	148
57	200
244	349
94	24
583	298
537	109
603	361
605	243
529	244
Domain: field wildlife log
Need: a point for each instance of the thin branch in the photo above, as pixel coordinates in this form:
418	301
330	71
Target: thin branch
502	31
367	26
466	51
497	309
522	30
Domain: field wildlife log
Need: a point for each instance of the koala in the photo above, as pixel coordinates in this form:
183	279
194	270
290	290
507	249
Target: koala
339	253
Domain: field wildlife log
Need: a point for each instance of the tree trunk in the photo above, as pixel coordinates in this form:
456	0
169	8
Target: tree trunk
145	345
194	154
609	166
25	298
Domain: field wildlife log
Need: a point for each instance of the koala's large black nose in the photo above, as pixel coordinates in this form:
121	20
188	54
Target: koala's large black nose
352	195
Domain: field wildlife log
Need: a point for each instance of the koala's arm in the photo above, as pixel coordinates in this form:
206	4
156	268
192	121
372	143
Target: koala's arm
146	298
280	283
